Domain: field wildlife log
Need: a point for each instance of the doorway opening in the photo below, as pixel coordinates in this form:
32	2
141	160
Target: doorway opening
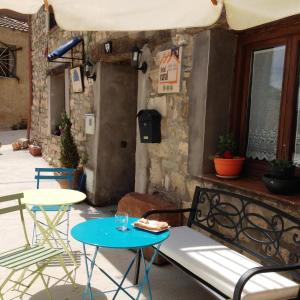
115	173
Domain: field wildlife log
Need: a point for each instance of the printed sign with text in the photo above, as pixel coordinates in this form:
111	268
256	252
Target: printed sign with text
169	70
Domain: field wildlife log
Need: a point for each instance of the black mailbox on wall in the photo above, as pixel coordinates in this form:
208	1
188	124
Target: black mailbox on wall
149	124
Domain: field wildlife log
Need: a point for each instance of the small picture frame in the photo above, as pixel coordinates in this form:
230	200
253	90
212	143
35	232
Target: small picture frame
76	80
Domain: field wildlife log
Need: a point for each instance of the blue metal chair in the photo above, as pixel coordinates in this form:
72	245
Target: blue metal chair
48	174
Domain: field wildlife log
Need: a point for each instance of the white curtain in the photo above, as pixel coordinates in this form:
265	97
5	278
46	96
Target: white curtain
265	98
138	15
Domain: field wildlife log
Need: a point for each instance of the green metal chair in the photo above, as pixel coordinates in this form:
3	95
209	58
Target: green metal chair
26	263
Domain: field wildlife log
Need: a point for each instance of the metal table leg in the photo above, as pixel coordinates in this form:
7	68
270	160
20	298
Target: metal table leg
145	281
88	288
147	271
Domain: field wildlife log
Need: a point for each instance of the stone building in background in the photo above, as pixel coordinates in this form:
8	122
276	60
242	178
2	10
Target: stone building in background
14	72
118	162
104	113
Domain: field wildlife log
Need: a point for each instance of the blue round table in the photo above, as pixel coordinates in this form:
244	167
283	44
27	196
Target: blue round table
102	233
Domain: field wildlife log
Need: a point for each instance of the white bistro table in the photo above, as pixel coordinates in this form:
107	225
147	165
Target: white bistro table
63	198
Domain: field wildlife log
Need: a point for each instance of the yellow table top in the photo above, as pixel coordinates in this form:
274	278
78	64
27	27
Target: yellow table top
52	197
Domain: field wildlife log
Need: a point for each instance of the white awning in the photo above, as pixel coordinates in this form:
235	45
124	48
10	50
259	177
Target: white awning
243	14
140	15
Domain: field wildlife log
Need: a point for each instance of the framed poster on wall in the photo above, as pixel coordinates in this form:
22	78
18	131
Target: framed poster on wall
76	80
169	70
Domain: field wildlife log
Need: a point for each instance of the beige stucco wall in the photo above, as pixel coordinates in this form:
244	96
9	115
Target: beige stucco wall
14	94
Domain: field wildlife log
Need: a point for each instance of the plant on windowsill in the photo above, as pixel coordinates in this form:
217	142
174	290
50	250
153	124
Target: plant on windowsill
228	163
69	156
281	178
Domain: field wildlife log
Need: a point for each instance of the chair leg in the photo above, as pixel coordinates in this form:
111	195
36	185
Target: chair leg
4	283
68	226
34	233
38	273
46	287
62	263
18	283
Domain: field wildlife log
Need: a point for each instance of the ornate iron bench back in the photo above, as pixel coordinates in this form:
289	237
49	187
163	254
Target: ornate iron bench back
265	232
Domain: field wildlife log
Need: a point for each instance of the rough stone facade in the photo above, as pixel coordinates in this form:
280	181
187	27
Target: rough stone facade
160	168
43	42
168	160
166	164
80	103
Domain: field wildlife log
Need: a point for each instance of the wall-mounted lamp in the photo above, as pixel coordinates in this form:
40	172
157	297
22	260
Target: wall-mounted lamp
135	60
89	70
108	47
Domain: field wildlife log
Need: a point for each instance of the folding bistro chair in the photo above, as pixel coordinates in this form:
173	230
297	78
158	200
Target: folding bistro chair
48	174
26	263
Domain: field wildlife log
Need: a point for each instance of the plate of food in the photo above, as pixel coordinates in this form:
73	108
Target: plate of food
151	225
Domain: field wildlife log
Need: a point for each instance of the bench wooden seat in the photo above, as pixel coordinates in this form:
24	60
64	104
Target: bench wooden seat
222	267
236	247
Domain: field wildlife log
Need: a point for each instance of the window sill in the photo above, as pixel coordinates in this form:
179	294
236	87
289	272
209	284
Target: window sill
8	77
254	186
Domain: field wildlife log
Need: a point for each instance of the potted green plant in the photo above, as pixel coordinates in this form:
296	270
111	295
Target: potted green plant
281	177
228	163
69	156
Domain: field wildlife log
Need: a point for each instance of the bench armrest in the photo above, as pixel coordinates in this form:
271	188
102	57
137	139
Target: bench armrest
264	269
166	211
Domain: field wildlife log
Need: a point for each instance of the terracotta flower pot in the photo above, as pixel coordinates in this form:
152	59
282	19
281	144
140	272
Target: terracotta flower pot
229	167
35	150
64	184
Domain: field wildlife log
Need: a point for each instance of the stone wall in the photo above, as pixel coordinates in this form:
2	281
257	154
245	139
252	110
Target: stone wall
160	167
168	160
169	167
43	42
166	163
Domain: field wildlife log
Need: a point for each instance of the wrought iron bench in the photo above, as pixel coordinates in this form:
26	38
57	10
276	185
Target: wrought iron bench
239	225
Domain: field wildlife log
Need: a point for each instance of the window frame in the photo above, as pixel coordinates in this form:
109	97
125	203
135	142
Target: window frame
62	70
9	50
285	32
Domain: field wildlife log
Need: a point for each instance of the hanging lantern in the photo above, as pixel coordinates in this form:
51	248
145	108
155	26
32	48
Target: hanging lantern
135	60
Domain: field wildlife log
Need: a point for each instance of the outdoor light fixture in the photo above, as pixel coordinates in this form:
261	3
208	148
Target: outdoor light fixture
135	60
108	47
89	70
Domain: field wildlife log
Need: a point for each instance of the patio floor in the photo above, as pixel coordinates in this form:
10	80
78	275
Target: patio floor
16	175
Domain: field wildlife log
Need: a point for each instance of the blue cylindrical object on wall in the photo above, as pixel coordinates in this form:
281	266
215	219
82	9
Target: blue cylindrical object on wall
64	48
